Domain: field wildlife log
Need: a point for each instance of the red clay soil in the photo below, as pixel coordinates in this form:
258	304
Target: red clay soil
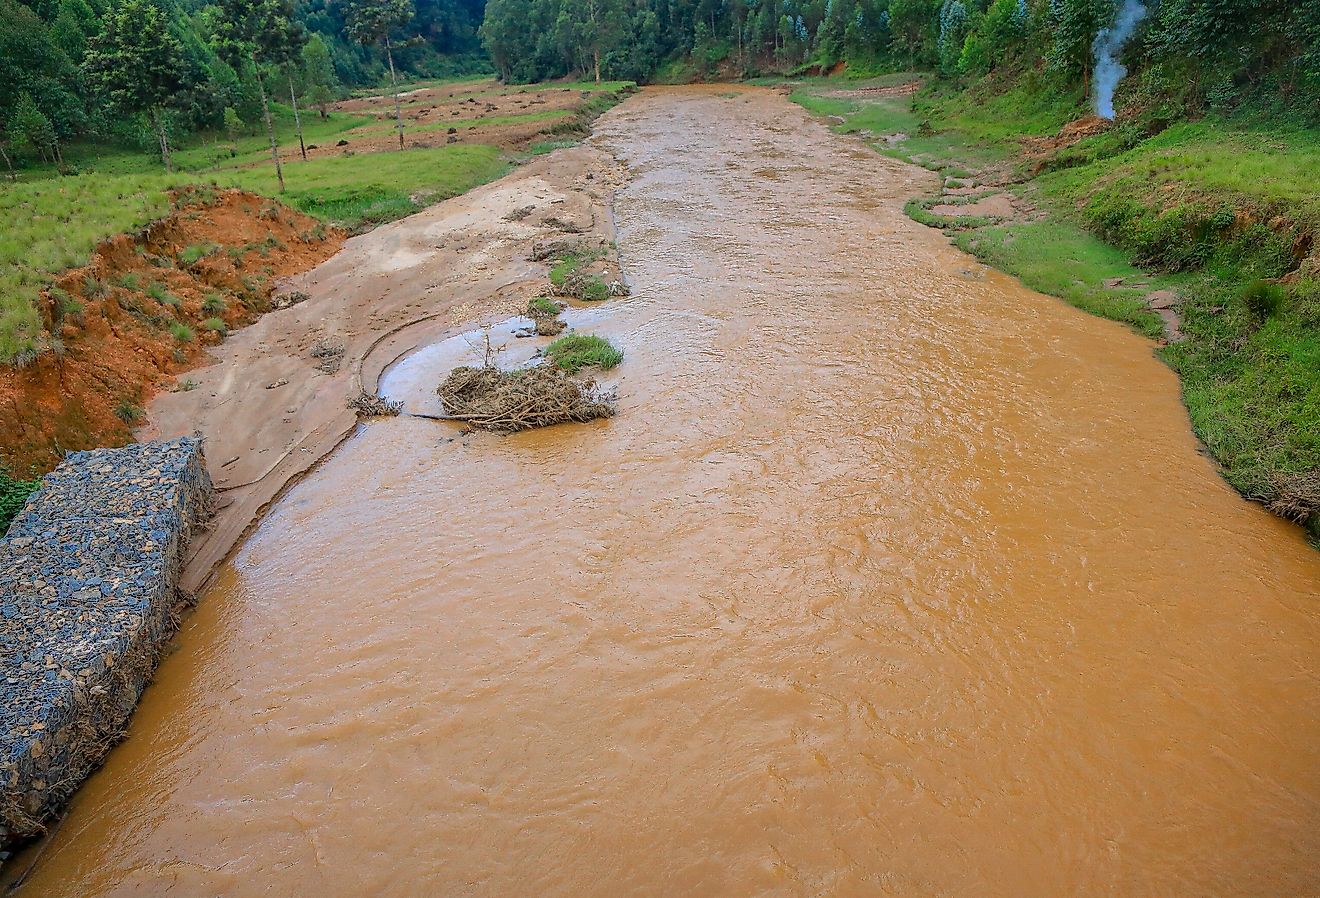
117	348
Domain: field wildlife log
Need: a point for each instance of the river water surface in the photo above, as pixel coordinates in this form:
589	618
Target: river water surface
891	577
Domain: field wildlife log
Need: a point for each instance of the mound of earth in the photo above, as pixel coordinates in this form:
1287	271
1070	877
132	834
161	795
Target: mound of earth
145	308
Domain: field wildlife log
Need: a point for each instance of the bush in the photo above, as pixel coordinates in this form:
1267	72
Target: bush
216	326
181	332
578	351
1263	299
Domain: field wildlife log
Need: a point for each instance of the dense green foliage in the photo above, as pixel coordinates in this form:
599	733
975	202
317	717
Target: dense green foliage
146	71
1190	52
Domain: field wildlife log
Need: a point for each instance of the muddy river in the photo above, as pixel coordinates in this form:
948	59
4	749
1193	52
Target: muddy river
890	577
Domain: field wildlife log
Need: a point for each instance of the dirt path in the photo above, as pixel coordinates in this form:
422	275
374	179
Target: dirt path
268	407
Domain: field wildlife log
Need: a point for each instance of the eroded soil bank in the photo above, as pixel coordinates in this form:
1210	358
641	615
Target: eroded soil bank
889	578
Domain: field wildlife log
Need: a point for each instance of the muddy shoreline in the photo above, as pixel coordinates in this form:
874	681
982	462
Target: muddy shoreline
270	413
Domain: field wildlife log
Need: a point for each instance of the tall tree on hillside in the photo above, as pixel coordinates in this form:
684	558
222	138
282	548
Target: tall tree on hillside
370	22
255	32
318	74
138	64
287	48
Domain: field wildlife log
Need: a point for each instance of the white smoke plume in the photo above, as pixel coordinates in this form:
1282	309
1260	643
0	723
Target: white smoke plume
1107	48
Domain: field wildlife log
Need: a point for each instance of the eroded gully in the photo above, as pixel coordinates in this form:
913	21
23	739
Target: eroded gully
891	577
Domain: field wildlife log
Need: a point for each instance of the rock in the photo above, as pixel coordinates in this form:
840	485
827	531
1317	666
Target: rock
342	143
1163	299
1111	283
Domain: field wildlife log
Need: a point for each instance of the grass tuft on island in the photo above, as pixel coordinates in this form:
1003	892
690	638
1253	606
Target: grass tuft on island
577	351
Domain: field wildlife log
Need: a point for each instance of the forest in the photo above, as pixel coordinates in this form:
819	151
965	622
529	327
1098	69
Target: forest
55	86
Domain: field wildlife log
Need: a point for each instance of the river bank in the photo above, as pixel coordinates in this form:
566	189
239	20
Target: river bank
835	597
1211	244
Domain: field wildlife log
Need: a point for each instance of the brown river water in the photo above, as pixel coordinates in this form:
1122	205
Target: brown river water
891	577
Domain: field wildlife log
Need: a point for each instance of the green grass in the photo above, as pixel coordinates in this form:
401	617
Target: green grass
53	225
13	493
208	151
1065	261
577	351
182	333
372	188
216	326
542	305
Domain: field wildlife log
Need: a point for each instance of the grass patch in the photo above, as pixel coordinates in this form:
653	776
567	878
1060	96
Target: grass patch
53	225
182	333
13	493
215	326
1065	261
578	351
372	188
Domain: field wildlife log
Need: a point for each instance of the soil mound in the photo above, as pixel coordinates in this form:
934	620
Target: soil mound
508	401
143	309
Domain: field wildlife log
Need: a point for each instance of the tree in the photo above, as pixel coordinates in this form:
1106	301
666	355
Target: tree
286	48
256	33
136	63
318	74
29	129
370	22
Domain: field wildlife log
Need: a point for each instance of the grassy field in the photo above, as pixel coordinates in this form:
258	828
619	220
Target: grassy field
357	191
1217	210
54	222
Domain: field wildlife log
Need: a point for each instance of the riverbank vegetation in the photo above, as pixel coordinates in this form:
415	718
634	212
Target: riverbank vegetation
1187	221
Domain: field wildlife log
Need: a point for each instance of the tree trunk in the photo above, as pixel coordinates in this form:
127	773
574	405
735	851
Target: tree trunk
270	129
164	140
394	84
297	119
595	63
8	165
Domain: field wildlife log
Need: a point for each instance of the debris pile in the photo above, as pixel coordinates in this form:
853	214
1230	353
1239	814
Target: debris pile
508	401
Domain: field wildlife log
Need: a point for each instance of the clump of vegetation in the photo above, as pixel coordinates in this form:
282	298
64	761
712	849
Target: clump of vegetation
216	326
544	312
369	405
194	253
214	304
182	333
158	292
508	401
13	493
1263	299
128	411
577	351
567	277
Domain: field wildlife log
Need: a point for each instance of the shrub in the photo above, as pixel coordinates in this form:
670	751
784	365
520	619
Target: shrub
1263	299
216	326
214	304
181	332
578	351
542	305
128	412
